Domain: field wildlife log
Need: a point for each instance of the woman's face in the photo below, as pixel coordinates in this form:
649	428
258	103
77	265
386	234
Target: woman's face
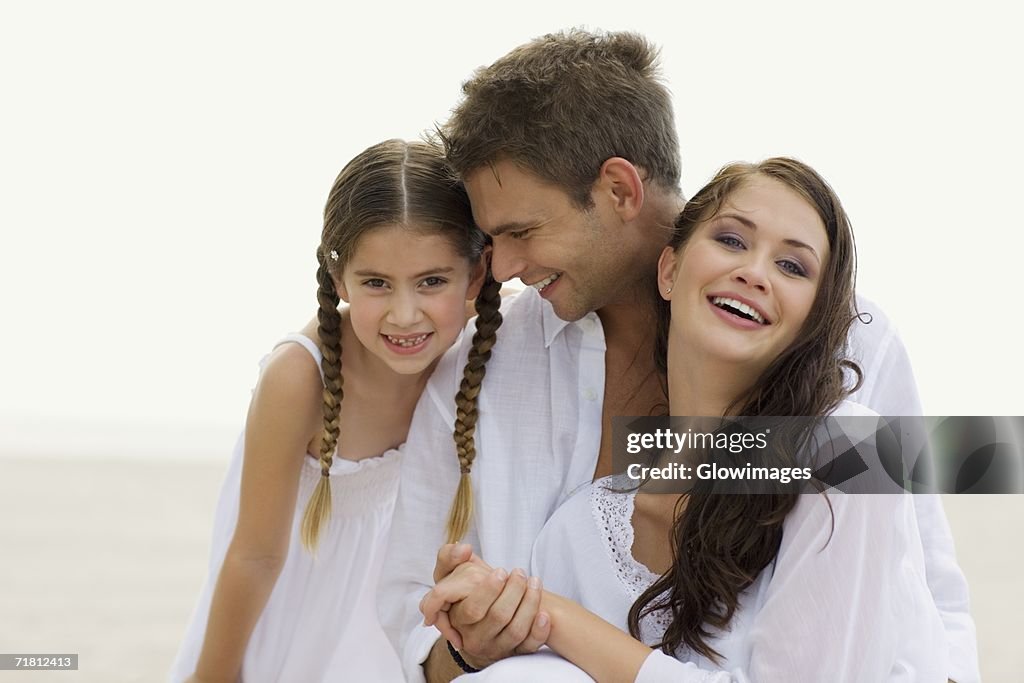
743	284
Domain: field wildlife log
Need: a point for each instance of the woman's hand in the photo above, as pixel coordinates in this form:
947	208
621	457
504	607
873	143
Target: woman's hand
486	613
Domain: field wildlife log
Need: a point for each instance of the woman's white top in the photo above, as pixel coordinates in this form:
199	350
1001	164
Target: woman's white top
839	604
320	623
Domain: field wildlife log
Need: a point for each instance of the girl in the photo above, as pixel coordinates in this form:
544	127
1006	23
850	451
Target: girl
400	248
759	283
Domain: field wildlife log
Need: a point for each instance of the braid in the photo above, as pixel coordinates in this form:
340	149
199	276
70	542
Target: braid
318	510
488	320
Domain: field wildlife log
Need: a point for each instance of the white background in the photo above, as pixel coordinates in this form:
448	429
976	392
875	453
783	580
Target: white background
163	169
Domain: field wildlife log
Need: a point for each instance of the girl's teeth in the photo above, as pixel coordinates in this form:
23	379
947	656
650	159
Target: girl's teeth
407	342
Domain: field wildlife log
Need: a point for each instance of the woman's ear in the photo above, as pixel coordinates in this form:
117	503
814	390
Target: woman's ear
339	287
666	272
478	273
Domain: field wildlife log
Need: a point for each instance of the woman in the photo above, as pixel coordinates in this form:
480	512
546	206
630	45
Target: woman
759	283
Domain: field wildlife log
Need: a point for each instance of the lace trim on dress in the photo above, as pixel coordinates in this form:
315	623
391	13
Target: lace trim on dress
613	514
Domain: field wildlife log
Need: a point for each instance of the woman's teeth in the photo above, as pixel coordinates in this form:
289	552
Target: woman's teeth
407	341
539	286
738	307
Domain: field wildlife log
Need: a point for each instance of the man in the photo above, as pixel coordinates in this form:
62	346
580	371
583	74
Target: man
568	151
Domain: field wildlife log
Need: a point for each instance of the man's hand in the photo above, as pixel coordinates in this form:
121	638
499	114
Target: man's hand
451	555
487	614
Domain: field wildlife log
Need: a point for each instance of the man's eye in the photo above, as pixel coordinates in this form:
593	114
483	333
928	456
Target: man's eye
520	234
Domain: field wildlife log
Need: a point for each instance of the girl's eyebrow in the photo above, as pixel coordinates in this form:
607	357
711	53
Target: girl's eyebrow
432	271
753	226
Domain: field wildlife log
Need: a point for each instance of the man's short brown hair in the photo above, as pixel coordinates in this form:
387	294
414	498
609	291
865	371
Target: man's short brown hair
562	104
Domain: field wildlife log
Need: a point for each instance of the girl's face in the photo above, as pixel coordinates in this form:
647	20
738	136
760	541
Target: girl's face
745	281
407	294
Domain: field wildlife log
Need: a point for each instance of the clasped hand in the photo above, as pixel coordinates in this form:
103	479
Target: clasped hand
486	613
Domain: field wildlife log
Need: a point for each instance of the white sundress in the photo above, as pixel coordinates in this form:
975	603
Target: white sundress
320	623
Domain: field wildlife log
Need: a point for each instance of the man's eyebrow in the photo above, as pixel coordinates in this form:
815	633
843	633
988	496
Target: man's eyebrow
511	226
432	271
753	226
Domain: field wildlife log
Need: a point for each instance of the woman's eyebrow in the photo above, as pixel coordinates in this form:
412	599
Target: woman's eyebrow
753	226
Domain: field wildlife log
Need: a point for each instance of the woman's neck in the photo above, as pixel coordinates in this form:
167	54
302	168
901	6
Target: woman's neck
700	386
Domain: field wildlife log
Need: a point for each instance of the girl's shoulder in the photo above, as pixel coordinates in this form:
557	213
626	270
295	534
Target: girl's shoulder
291	375
287	403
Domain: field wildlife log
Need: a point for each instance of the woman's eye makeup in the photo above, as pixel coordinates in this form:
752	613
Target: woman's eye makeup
734	242
792	267
730	240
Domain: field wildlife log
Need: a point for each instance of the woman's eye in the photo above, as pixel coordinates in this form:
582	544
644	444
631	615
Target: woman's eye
793	268
434	281
730	241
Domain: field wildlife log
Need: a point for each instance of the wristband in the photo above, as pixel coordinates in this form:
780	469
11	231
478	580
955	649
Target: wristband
462	664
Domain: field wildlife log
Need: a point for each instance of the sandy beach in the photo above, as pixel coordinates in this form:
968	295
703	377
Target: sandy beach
105	557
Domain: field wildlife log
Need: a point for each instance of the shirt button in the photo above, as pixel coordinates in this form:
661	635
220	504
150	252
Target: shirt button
589	394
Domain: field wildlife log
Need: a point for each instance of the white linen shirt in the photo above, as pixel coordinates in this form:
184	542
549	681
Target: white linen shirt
845	599
537	441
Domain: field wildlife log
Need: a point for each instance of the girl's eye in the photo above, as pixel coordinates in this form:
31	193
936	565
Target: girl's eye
793	268
434	281
375	283
731	241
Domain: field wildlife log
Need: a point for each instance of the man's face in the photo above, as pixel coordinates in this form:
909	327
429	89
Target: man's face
569	255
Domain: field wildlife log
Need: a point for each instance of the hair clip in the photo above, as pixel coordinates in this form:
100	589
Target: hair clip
334	255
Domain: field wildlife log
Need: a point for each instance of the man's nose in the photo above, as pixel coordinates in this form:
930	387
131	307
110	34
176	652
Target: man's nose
506	260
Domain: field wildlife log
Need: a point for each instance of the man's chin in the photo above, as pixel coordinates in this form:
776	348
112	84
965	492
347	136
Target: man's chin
568	312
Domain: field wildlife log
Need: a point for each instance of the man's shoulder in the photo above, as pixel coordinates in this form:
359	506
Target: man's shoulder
522	323
872	326
851	408
522	326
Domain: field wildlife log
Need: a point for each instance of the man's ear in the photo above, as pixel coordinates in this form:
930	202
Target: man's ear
478	273
666	272
619	180
339	287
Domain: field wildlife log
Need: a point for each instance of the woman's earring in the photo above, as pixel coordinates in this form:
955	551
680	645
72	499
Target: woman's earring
668	291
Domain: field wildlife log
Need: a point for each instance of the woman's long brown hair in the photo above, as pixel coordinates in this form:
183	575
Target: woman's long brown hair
721	542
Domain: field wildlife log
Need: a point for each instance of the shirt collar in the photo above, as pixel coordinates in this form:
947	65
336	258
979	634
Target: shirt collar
553	325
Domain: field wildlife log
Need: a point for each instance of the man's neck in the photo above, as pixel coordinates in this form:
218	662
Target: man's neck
629	321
